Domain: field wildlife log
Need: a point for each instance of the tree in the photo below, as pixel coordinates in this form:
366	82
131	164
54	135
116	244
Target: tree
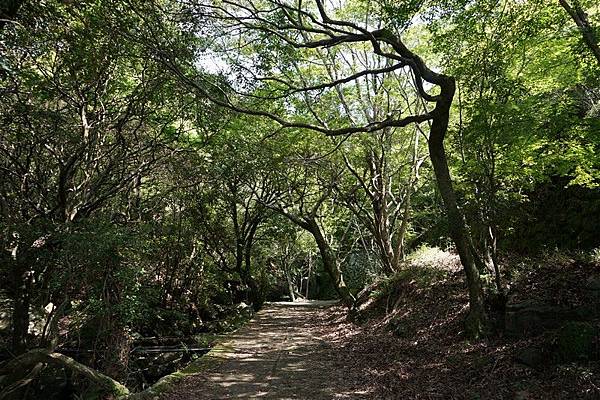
516	107
301	30
83	124
8	11
241	187
581	20
304	189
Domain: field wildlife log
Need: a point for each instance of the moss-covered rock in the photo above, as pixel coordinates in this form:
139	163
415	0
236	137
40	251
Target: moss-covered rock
533	357
577	341
218	354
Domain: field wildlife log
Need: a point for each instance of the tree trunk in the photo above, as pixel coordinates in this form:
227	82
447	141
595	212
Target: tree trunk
399	254
587	31
494	259
330	263
113	339
476	319
255	294
20	314
115	355
289	282
309	271
387	250
36	357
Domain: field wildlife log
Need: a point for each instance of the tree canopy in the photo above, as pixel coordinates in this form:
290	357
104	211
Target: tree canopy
168	166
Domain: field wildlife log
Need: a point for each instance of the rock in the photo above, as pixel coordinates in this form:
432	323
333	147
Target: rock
533	357
522	395
588	311
524	319
578	341
575	341
400	328
592	287
593	283
531	318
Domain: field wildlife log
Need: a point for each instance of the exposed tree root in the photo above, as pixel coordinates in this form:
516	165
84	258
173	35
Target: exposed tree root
22	370
32	361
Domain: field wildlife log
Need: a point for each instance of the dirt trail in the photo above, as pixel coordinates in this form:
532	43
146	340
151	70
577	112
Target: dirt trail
280	354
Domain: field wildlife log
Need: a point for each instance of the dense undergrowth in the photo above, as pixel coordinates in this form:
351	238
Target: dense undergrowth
155	351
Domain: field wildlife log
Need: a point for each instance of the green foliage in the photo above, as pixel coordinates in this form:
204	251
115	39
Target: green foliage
423	267
131	198
360	269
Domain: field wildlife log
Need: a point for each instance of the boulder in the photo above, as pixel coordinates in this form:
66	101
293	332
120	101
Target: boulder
533	357
592	294
574	341
528	318
592	284
531	318
577	341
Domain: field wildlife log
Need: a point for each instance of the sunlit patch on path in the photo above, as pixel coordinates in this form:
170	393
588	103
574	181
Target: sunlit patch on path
280	354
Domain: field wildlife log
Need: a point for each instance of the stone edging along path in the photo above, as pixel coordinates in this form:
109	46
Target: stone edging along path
216	355
279	354
282	353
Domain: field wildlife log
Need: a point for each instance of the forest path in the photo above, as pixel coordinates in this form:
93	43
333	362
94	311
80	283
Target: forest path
283	353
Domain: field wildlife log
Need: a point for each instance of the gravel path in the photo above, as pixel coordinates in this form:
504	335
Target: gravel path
281	354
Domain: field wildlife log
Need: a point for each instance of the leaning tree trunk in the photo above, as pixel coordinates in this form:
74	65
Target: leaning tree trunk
309	223
456	224
255	292
581	20
22	370
330	263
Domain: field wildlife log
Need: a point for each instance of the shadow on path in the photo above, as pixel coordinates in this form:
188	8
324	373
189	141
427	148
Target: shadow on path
280	354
